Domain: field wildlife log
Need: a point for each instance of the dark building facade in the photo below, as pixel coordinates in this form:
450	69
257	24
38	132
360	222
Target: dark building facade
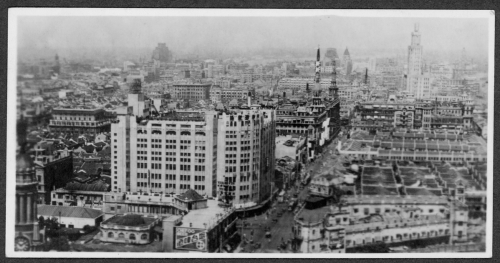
162	53
53	175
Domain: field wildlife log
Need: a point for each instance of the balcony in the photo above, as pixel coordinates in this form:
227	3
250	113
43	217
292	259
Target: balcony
80	123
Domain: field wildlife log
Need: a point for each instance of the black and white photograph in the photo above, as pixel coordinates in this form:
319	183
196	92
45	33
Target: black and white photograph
241	133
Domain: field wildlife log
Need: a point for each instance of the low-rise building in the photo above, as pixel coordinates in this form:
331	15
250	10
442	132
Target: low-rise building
207	229
81	121
148	204
71	216
129	229
367	220
81	194
292	146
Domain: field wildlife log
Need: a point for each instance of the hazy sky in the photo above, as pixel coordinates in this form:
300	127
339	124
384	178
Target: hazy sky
187	34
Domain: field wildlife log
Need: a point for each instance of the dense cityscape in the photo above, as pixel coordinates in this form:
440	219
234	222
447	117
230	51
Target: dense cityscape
335	153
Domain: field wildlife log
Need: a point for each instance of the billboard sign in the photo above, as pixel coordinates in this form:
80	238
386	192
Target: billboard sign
194	239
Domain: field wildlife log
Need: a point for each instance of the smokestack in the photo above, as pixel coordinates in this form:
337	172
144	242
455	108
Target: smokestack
249	99
317	55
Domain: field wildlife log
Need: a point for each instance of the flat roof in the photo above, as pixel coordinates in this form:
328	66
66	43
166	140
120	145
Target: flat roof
315	215
207	215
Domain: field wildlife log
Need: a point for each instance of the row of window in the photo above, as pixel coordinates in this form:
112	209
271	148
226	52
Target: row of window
131	236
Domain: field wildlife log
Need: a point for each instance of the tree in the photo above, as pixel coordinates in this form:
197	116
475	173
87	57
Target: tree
86	228
58	243
52	227
41	222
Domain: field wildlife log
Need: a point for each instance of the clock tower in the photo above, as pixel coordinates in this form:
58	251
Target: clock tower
27	235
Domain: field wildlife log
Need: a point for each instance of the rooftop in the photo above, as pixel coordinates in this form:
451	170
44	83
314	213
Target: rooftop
314	215
377	199
190	195
130	220
68	211
207	215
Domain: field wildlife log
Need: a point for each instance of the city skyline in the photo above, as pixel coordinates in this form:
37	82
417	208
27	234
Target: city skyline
333	133
187	36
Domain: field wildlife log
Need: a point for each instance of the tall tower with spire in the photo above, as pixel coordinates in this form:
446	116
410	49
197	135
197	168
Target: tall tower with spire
347	62
414	59
334	90
317	79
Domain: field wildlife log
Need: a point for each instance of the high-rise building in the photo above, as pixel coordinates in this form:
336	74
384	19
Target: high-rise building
331	55
347	62
162	53
415	54
171	153
416	82
318	119
246	145
57	66
229	155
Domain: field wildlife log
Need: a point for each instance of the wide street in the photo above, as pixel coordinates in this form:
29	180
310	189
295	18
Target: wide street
281	227
280	230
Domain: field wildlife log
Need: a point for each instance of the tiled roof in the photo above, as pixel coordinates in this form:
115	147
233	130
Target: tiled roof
68	211
98	186
190	195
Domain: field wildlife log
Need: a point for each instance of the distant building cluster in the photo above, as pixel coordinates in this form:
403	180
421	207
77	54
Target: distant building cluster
162	150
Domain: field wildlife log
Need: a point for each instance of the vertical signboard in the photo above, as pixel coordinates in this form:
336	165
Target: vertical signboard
194	239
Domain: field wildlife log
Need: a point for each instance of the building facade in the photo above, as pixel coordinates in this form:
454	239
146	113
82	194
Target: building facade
174	152
417	82
27	235
81	121
129	229
245	154
367	220
194	92
52	173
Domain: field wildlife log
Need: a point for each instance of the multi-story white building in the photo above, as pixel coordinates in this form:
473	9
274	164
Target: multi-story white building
229	155
245	156
416	82
170	154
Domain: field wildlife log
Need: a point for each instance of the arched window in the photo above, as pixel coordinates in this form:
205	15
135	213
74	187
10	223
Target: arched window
111	235
171	133
185	133
132	237
121	235
144	236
